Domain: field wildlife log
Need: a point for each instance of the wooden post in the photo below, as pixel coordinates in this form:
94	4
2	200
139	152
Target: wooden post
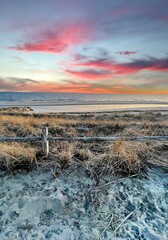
45	142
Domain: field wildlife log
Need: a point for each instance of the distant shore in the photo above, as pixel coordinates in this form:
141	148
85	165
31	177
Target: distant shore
87	107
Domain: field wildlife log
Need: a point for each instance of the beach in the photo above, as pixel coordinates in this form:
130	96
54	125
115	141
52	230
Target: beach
84	190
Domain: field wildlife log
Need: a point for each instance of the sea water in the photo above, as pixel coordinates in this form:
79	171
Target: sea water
86	102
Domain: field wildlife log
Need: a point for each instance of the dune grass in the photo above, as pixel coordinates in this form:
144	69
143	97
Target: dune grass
98	158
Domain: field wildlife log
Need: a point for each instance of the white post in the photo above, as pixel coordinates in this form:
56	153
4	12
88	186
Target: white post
45	142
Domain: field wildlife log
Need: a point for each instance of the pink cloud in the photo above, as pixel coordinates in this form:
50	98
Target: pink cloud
90	74
152	64
112	66
58	39
103	69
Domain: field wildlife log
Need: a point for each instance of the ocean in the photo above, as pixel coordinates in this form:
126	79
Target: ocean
84	102
74	98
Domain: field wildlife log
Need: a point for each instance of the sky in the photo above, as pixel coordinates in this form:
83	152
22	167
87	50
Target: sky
84	46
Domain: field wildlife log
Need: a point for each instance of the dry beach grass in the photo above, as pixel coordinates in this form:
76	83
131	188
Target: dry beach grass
120	157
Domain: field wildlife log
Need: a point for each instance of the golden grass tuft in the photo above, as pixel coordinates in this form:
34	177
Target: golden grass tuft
17	156
123	158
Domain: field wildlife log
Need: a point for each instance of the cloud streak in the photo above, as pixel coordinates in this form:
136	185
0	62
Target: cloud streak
126	53
105	68
22	84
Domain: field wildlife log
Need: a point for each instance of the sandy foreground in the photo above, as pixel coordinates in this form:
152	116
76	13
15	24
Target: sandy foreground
38	205
41	204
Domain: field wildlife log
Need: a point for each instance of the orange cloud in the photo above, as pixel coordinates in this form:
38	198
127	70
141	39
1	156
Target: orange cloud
21	84
29	85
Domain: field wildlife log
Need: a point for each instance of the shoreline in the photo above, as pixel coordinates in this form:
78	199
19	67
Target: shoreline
98	107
